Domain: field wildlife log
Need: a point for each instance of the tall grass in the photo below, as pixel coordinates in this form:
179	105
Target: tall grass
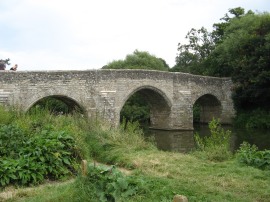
153	175
216	146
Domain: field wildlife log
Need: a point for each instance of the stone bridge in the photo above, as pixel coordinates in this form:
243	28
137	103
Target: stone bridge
103	93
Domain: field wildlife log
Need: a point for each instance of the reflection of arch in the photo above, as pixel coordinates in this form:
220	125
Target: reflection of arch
210	107
160	105
72	104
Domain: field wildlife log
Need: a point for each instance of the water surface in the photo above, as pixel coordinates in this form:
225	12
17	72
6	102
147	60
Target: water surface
183	141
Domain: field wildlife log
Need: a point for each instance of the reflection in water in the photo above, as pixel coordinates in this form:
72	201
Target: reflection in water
183	141
177	141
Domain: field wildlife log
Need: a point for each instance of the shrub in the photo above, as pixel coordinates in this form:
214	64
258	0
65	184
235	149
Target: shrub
249	155
217	146
27	160
253	119
105	184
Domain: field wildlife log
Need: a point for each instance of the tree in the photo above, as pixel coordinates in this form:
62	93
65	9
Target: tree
3	63
192	55
245	53
195	57
219	28
139	60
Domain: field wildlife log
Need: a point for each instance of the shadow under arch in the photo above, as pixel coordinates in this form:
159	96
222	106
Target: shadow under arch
205	108
58	104
159	105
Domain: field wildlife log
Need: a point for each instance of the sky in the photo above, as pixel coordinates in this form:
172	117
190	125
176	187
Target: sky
88	34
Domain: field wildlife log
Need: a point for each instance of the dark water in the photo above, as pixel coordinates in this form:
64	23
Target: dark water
183	141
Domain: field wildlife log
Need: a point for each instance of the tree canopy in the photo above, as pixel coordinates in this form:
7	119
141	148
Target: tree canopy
245	55
239	47
3	63
139	60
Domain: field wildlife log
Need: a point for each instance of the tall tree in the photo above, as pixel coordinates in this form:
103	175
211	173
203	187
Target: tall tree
245	53
192	55
195	56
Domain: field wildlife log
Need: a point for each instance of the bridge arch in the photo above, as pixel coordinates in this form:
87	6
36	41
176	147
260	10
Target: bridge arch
70	102
208	106
159	103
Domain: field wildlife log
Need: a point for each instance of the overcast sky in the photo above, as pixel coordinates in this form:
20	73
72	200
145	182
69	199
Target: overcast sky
87	34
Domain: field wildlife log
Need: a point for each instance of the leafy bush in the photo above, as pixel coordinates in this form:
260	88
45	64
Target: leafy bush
217	146
31	159
105	184
253	119
249	155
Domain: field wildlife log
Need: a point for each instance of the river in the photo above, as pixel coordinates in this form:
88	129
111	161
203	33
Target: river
183	141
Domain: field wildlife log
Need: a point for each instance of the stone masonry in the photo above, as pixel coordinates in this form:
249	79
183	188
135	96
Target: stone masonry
103	93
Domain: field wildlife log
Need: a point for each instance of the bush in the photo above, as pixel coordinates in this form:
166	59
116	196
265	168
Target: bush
217	146
249	155
253	119
105	184
31	159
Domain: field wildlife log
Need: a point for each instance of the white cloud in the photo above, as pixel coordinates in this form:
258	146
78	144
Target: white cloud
85	34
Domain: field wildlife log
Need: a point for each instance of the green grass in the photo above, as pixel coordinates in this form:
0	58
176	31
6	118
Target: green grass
157	175
165	174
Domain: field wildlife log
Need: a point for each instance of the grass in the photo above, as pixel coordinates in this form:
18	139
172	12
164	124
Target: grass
165	174
158	175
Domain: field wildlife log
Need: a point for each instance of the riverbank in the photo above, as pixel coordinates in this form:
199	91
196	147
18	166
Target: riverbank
154	175
165	174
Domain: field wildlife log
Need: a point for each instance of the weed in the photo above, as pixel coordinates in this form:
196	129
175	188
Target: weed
217	146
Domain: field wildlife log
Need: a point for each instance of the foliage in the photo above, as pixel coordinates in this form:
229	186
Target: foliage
56	106
253	119
36	146
106	184
136	109
3	63
106	144
27	160
217	146
192	55
249	155
219	28
196	56
238	47
155	175
139	60
245	54
196	112
6	61
6	115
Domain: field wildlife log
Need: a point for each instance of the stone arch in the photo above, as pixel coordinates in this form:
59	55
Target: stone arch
210	107
68	100
160	105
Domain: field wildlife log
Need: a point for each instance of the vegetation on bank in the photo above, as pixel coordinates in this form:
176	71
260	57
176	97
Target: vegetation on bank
149	175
